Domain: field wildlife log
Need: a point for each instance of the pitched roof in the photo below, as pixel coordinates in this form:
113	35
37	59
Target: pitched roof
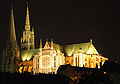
68	50
28	54
58	47
74	48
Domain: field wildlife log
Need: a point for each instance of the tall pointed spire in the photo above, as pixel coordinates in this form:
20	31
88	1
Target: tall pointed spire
27	23
11	52
12	27
27	41
52	44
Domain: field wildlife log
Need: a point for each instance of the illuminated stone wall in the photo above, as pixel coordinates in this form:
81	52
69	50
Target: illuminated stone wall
85	57
25	66
48	60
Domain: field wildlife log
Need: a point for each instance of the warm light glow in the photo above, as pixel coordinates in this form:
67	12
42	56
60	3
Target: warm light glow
20	69
28	58
54	53
24	58
48	62
90	51
69	54
30	69
58	51
25	66
104	72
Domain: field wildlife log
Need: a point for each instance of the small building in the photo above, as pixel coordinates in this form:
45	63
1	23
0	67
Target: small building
76	73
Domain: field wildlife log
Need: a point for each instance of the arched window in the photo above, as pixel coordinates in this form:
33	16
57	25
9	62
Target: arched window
54	61
76	61
38	62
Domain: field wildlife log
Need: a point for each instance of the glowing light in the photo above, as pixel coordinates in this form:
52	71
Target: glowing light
90	51
30	69
24	58
69	54
25	68
54	54
20	69
28	58
104	72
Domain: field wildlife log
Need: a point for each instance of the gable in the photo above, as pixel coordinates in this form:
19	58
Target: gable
47	46
57	47
92	50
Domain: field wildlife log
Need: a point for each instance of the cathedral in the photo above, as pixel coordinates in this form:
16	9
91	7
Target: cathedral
48	58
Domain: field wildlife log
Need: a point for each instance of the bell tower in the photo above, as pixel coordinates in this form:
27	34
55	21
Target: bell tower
27	41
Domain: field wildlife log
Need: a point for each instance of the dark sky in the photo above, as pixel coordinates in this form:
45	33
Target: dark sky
67	22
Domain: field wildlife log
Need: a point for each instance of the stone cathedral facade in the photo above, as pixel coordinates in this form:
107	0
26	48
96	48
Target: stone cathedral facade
48	58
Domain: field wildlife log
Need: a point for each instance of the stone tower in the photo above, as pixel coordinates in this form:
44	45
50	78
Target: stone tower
27	41
11	51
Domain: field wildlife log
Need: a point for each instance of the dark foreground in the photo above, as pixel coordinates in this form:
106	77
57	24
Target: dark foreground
28	78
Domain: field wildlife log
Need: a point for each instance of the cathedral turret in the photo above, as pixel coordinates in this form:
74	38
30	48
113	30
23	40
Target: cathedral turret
40	44
52	44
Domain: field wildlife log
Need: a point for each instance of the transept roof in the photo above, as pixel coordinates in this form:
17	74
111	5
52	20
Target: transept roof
68	50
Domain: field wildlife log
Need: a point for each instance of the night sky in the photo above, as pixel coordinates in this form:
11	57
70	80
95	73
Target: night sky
67	22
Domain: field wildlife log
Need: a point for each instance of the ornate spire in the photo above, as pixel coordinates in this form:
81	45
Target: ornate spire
27	23
40	43
12	27
52	44
11	59
27	41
